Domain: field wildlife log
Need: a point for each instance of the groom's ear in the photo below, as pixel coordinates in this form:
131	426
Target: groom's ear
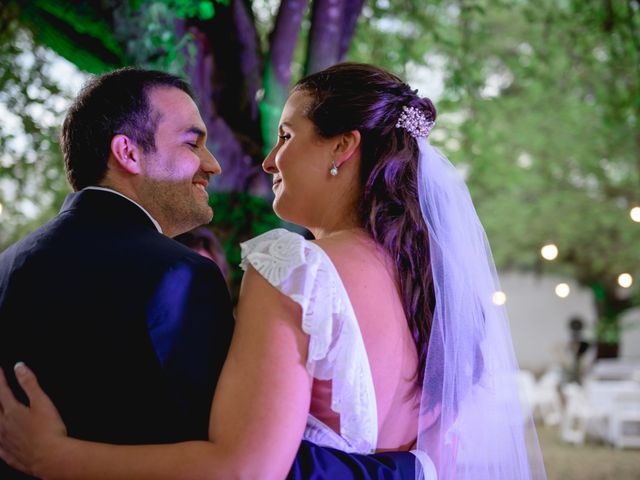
126	153
346	147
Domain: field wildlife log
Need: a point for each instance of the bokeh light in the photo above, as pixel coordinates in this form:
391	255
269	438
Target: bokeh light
635	214
499	298
625	280
549	252
563	290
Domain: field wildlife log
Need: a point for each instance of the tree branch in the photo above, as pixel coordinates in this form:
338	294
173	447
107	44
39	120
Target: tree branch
325	37
283	39
351	12
250	58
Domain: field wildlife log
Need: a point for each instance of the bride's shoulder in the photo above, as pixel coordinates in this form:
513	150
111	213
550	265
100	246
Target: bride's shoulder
274	235
278	253
352	250
349	252
274	241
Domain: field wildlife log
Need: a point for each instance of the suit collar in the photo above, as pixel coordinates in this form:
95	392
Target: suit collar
107	204
115	192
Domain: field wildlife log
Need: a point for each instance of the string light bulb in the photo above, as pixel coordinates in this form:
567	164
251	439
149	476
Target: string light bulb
635	214
549	252
563	290
625	280
499	298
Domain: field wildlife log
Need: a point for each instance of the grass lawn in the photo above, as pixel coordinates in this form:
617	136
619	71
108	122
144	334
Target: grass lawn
591	461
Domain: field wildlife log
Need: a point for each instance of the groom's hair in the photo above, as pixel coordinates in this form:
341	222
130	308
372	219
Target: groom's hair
110	104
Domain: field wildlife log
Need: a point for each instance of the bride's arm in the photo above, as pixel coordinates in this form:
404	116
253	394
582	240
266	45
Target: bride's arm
257	418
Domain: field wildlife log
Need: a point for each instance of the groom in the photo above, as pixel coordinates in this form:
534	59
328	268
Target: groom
127	329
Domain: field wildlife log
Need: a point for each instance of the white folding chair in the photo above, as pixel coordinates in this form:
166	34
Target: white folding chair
624	420
577	414
547	401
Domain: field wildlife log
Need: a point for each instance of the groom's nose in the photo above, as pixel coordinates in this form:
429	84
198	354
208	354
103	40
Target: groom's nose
210	164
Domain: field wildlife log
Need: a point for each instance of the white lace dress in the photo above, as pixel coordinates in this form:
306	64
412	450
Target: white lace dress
302	271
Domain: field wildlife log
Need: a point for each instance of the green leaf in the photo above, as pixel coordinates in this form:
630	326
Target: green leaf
206	10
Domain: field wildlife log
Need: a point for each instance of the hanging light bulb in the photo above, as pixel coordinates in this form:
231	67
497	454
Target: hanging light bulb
0	209
549	252
563	290
625	280
635	214
499	298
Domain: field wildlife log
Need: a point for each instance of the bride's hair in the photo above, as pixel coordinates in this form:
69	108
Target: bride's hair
351	96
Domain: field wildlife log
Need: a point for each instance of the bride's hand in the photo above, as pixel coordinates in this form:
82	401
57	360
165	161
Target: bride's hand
27	433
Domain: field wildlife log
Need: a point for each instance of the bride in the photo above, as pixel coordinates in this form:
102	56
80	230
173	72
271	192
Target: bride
379	335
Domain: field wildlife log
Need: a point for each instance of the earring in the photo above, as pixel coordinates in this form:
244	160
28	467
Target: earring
334	169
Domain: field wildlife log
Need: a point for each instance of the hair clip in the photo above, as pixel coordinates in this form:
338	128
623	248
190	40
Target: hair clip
415	122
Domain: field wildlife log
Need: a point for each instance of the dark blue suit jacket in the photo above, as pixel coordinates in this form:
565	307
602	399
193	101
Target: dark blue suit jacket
128	330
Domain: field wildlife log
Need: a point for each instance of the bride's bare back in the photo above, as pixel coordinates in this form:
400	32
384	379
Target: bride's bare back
368	277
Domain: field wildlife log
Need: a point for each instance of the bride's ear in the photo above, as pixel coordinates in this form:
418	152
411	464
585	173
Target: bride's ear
346	147
126	153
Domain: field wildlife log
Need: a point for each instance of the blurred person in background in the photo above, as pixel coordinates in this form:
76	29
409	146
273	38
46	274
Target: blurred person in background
203	241
577	347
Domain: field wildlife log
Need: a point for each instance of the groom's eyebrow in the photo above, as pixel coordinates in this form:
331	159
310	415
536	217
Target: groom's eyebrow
196	131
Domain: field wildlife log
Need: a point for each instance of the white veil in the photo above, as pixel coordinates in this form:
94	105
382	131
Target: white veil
472	425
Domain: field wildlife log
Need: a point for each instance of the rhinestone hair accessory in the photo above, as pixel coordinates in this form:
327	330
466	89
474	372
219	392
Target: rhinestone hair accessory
415	122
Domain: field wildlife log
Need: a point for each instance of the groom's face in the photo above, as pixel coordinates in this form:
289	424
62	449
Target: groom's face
176	175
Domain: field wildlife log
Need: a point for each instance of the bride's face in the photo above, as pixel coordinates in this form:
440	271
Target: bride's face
300	163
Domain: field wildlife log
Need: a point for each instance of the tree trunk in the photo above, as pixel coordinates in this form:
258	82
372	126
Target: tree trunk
240	96
277	68
226	75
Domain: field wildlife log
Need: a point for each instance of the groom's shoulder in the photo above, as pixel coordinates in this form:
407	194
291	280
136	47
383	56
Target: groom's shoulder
170	259
64	240
30	243
169	252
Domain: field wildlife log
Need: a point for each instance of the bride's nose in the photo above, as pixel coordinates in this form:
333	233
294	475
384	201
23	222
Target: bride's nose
269	163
